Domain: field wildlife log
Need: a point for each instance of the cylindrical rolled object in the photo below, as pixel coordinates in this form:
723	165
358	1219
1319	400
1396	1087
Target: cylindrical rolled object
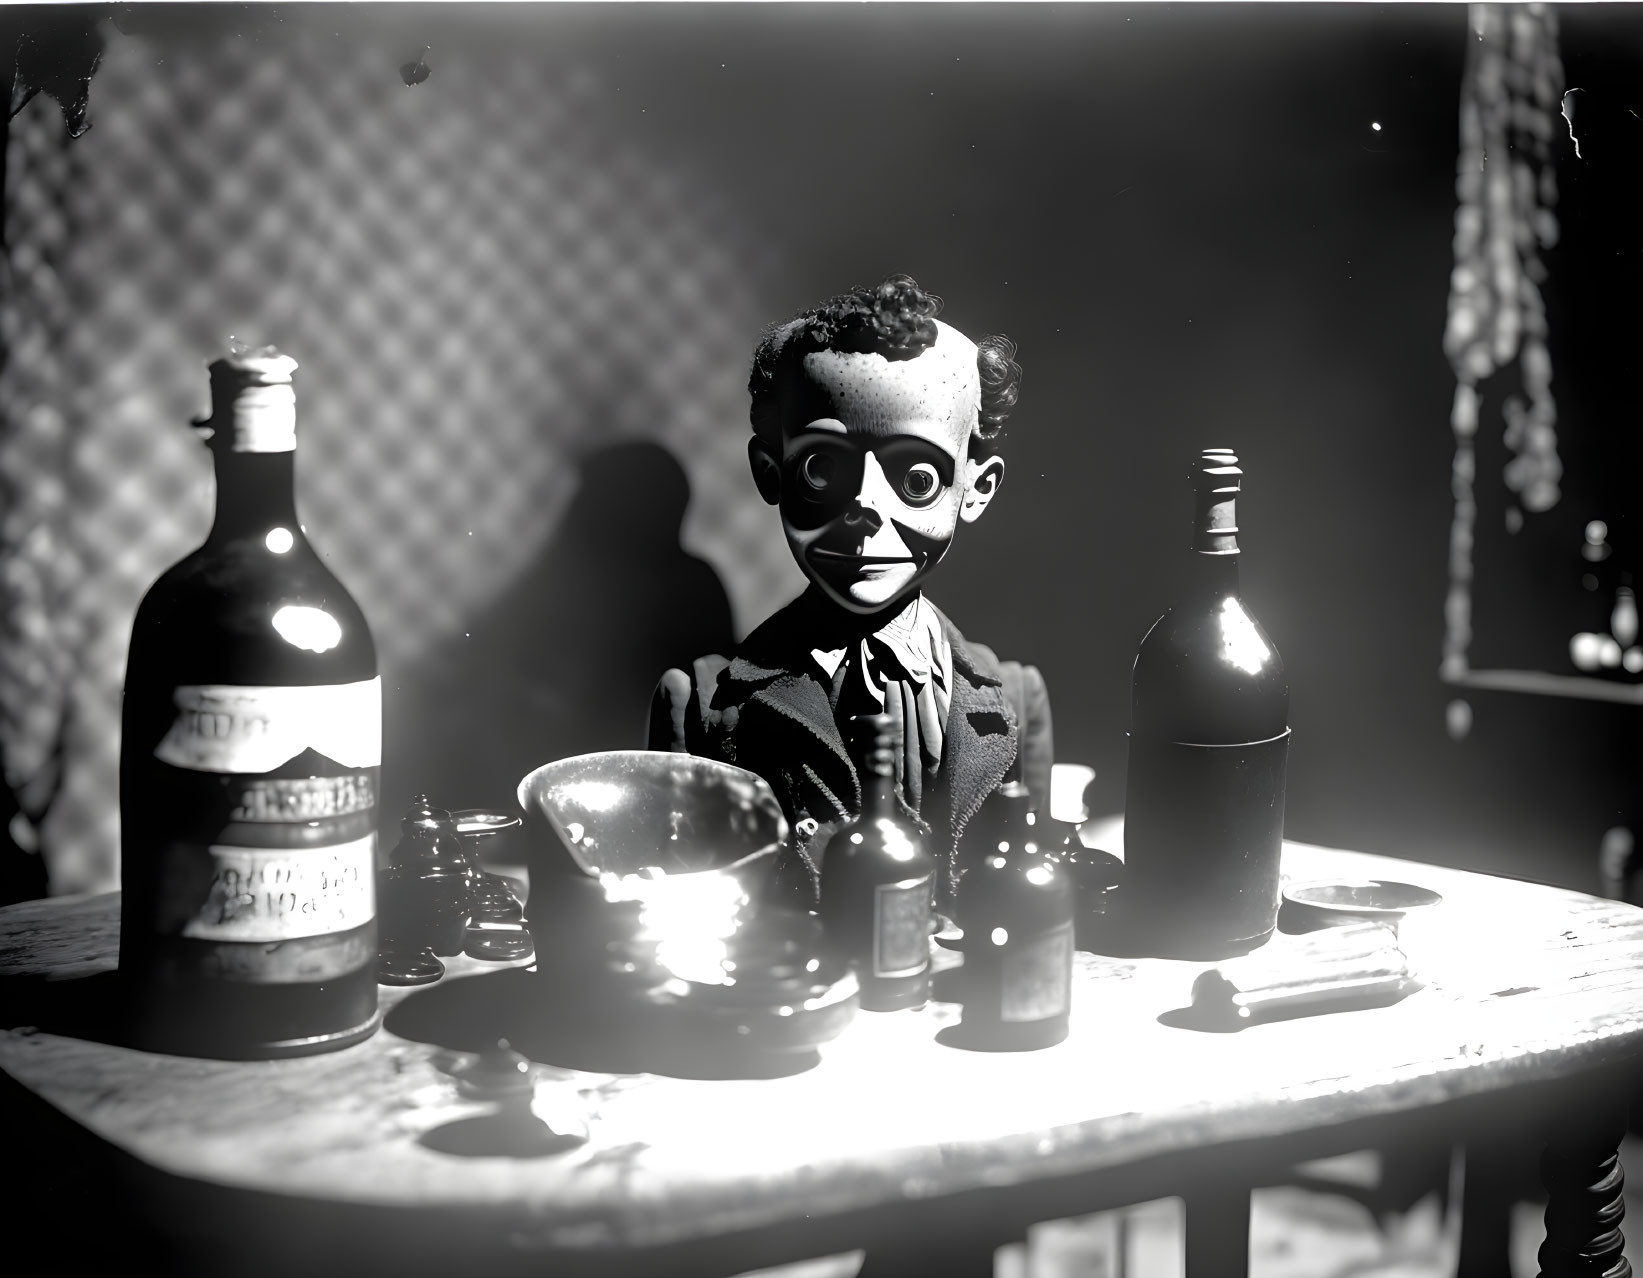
1356	965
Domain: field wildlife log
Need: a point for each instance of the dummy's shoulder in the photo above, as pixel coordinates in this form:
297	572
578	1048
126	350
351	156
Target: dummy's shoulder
1022	685
975	660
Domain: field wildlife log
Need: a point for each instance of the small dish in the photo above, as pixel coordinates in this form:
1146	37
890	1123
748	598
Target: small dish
1325	901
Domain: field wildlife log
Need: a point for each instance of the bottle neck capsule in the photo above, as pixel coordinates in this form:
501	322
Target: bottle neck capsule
874	739
1216	483
253	428
253	402
878	784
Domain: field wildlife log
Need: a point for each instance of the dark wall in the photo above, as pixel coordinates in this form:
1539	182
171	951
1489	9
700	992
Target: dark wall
1185	217
1187	222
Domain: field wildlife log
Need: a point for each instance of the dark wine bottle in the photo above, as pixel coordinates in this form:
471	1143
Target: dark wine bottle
877	882
249	764
1208	749
1015	906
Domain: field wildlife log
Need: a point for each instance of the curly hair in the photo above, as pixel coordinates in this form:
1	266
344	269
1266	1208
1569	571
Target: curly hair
895	319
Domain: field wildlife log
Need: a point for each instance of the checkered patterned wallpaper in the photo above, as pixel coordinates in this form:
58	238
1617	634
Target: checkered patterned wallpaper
480	276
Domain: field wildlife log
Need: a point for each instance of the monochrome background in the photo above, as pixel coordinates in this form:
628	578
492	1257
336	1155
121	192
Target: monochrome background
524	293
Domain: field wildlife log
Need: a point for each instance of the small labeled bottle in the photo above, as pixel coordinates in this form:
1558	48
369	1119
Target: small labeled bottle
1016	907
249	761
1208	750
876	882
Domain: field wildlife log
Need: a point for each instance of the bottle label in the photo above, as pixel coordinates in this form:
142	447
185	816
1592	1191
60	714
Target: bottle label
248	729
283	800
901	928
223	892
1203	830
1038	977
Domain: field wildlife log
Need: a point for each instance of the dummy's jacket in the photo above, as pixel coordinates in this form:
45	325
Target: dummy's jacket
765	710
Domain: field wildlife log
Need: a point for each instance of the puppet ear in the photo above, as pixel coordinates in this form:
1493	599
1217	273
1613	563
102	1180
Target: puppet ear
981	481
767	471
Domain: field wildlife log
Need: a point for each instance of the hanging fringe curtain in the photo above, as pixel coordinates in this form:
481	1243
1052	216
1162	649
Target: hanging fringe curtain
1506	184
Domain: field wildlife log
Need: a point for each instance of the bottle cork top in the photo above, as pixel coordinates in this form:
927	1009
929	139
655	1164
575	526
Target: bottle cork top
1216	481
253	366
253	404
1218	468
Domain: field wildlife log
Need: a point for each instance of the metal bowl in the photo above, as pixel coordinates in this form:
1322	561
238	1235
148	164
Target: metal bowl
1344	900
649	812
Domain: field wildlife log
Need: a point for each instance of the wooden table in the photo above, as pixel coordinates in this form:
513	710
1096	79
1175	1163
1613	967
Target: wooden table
926	1155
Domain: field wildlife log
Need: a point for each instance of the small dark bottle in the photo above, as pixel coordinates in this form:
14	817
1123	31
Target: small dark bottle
1016	907
250	750
1208	749
876	883
427	897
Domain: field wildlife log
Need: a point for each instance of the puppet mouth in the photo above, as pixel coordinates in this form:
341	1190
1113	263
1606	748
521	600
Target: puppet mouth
865	561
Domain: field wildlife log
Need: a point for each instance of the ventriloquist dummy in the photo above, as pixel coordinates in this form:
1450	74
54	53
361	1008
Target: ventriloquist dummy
875	432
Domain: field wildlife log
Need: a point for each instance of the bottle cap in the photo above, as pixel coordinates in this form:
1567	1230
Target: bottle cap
1216	481
253	404
422	815
253	366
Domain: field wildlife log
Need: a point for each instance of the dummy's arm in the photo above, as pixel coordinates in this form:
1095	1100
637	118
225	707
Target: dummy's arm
1035	739
1038	743
681	717
669	707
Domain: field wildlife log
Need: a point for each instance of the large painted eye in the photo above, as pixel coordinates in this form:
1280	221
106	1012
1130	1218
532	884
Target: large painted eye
817	471
920	484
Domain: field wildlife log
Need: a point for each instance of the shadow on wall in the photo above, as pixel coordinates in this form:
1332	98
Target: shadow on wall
566	661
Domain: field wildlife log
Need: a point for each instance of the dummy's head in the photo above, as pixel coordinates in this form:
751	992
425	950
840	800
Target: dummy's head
876	431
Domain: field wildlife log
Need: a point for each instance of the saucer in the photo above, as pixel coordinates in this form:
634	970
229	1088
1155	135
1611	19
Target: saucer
1326	901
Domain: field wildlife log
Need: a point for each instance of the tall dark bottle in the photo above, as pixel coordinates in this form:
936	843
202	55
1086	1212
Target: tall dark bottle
877	882
1208	749
249	762
1015	905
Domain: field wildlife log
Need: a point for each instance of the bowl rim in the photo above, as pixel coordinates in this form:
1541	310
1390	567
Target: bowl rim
519	789
533	811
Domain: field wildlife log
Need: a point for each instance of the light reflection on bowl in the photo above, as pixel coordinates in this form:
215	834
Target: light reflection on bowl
593	795
690	917
647	812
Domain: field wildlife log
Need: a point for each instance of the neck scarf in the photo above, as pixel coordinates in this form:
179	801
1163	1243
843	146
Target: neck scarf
903	669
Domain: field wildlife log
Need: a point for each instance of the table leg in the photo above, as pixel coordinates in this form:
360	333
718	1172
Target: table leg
1584	1201
1217	1232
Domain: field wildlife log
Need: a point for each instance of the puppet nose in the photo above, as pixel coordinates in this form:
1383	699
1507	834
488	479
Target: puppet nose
875	495
863	517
